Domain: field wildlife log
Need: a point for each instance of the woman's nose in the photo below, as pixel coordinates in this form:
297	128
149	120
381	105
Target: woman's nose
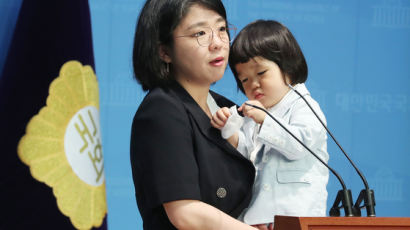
216	42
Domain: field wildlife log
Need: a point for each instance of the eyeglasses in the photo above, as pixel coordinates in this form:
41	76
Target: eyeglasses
205	35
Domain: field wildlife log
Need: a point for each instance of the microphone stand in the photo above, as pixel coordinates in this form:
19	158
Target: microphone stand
367	194
344	196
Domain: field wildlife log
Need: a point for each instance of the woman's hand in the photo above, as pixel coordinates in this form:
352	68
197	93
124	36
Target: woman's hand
194	214
263	226
220	118
255	114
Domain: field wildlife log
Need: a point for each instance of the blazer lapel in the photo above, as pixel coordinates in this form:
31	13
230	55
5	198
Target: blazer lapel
203	121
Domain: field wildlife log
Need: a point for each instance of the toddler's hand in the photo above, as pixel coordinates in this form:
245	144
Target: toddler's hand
255	114
220	118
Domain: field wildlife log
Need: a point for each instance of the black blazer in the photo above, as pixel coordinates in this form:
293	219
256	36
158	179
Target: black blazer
177	155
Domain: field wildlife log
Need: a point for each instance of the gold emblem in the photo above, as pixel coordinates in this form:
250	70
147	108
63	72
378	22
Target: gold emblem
62	146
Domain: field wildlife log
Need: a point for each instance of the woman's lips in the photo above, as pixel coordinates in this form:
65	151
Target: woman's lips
219	61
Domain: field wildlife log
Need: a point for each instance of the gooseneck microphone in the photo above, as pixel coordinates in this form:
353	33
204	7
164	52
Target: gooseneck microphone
344	196
367	194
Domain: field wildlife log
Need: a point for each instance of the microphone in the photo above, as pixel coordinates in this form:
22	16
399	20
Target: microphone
344	196
366	195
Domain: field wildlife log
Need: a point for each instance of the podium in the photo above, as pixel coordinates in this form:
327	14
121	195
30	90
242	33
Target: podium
341	223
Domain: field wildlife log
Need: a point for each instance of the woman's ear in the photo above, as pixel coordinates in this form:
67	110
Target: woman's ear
164	54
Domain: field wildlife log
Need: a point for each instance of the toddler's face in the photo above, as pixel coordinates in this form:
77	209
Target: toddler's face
262	80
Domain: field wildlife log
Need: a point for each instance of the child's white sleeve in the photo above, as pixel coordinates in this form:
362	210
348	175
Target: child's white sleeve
242	145
234	123
303	124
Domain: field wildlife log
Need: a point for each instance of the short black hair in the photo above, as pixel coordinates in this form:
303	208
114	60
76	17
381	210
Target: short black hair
156	23
271	40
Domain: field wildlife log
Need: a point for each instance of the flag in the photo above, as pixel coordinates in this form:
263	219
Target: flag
51	162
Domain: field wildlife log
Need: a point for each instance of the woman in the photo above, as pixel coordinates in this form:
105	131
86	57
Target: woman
186	175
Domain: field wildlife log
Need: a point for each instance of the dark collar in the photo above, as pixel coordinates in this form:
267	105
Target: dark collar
202	120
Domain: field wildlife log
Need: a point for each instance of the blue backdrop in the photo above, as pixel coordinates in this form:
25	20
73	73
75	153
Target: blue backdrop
358	53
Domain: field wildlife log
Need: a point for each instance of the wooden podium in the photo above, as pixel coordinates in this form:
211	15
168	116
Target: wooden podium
339	223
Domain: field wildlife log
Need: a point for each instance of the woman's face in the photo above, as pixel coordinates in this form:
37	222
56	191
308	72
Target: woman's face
205	63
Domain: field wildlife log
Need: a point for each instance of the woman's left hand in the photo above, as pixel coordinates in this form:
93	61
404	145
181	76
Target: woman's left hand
263	226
